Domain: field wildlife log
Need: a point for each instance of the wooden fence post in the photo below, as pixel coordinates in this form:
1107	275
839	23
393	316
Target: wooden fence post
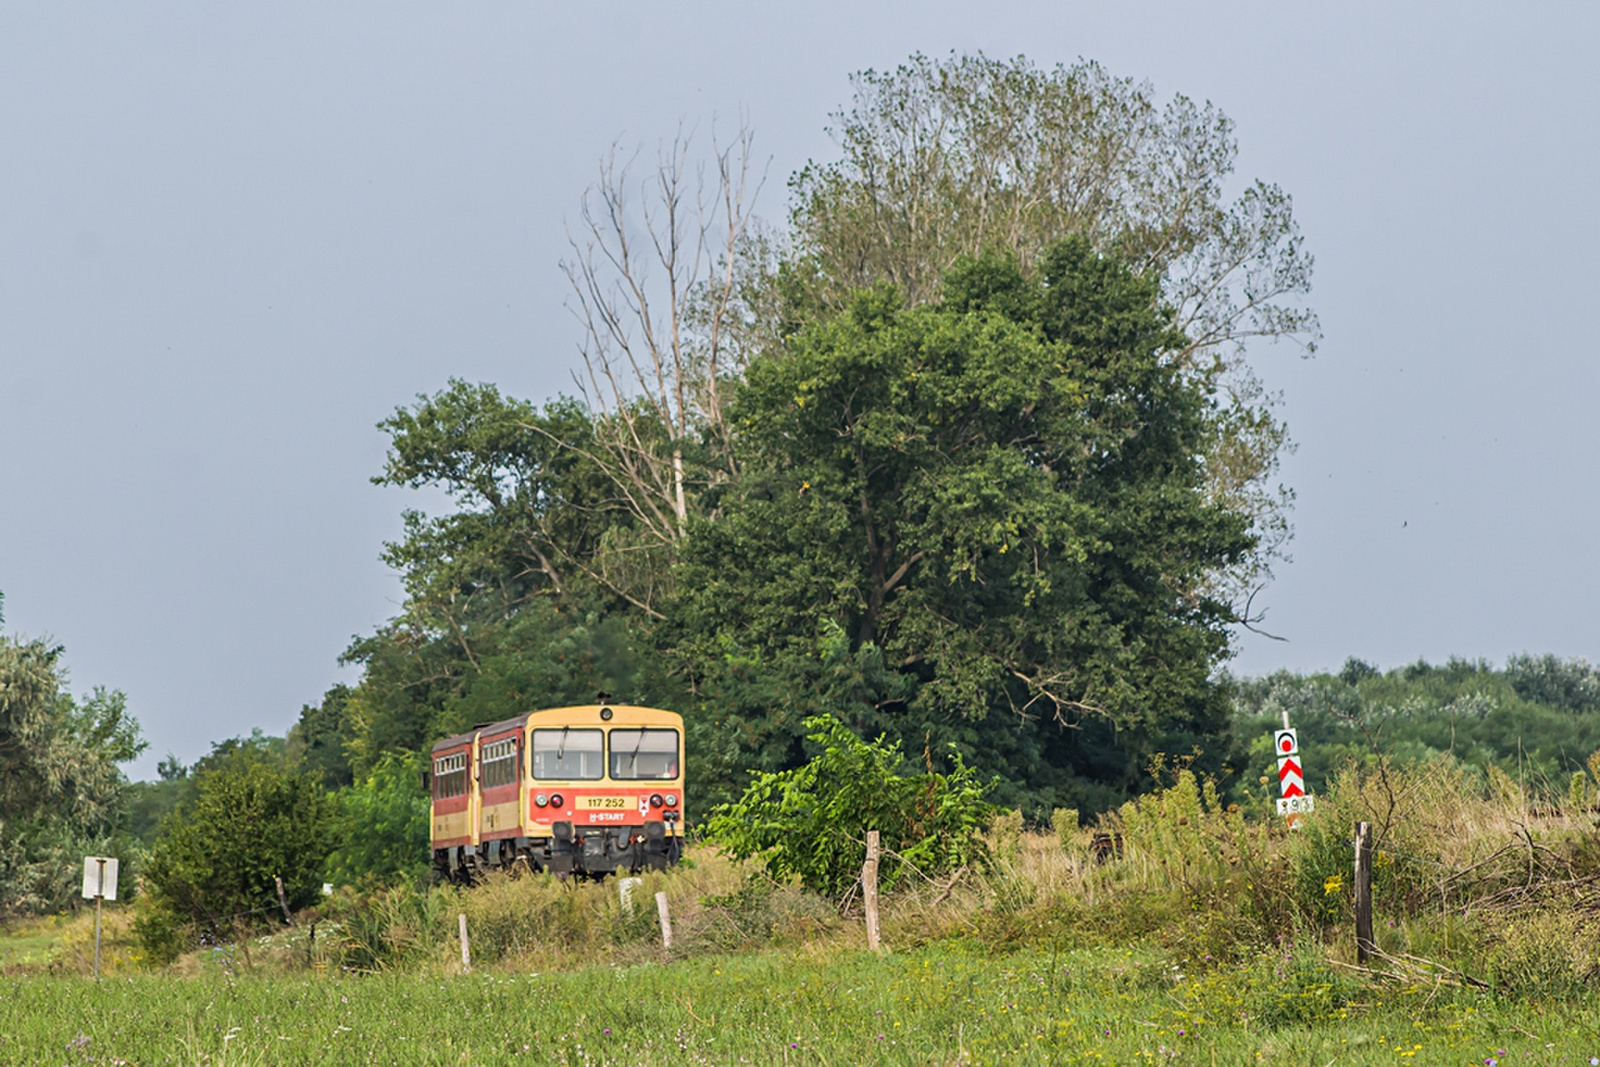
869	891
1364	945
666	920
466	949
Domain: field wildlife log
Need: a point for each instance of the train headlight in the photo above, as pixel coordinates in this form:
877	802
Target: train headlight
555	801
655	800
672	800
541	800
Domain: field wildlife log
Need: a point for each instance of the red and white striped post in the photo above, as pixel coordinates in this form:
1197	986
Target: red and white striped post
1293	802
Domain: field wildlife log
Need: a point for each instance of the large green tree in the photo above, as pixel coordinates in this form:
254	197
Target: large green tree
524	594
62	794
1004	492
943	158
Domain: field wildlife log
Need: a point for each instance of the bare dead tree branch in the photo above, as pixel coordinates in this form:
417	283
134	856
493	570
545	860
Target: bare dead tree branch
654	287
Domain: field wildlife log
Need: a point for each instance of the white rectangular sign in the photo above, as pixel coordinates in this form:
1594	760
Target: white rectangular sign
1296	805
99	877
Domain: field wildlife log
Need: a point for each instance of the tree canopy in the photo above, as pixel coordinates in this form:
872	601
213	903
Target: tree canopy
944	158
1003	493
62	794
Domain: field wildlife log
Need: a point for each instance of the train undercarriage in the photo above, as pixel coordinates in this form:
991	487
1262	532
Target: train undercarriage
581	851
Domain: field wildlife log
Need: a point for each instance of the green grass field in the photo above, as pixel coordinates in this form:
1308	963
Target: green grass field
941	1004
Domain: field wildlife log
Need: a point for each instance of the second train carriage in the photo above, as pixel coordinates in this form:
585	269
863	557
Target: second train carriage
580	790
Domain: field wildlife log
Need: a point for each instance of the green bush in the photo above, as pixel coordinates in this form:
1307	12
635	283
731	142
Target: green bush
811	822
383	824
214	865
162	933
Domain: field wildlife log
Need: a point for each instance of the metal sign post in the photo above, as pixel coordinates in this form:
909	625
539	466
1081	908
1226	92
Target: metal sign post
99	884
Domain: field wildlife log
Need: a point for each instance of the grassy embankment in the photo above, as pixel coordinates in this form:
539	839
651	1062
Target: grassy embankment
1214	938
935	1004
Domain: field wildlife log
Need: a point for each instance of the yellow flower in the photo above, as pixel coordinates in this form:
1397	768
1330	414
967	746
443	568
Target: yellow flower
1333	885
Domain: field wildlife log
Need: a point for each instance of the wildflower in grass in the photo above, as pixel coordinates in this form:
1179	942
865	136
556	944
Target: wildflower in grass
1333	885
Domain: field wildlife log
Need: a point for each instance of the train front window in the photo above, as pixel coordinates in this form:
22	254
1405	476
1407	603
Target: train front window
567	754
644	753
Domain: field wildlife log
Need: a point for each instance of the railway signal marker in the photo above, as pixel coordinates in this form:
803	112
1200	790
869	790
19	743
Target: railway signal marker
1293	801
1291	779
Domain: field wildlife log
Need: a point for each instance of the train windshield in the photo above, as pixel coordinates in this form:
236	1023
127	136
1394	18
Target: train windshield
644	753
567	754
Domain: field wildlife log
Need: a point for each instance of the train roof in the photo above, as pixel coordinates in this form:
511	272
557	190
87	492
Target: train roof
576	711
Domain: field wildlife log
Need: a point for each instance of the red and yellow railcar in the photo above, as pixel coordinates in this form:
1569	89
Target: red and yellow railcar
581	790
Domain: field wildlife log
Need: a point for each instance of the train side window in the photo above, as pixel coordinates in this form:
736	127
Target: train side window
450	776
499	763
568	754
644	753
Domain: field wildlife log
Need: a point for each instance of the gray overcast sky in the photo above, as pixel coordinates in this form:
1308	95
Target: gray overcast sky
235	236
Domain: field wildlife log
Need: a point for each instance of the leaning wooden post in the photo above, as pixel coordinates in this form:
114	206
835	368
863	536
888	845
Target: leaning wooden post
869	891
1364	945
466	949
283	901
666	920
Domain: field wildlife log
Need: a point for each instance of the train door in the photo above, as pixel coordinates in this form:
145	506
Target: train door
452	797
499	778
475	805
